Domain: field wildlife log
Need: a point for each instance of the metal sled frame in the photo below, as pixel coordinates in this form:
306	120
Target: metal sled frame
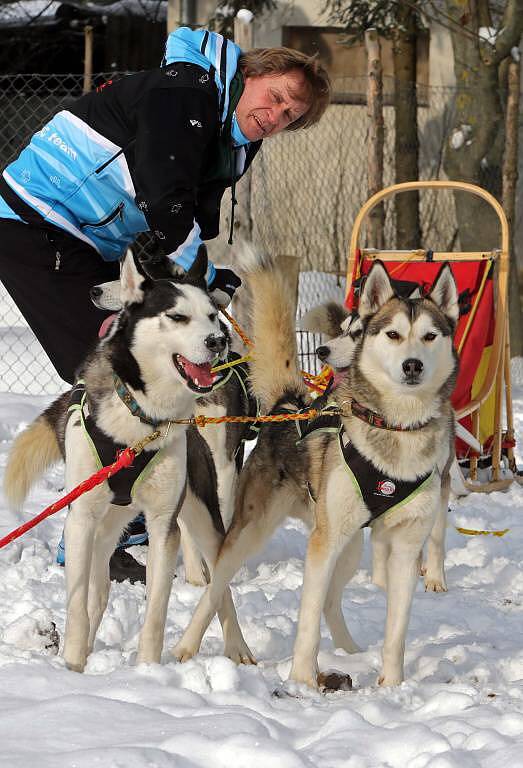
497	377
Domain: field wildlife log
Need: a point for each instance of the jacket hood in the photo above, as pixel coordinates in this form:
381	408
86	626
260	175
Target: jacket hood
207	49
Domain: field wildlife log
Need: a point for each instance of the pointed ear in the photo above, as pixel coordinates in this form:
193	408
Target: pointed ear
377	290
131	281
444	293
198	269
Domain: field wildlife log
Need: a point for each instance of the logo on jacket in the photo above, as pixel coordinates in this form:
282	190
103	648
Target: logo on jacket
385	488
196	124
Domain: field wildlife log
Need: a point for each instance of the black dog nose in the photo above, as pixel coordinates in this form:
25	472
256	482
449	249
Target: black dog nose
95	292
323	352
216	343
412	367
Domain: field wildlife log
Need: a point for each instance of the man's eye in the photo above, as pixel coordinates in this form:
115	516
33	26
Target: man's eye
429	336
179	318
394	335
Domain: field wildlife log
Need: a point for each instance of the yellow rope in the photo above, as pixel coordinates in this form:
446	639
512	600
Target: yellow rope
201	421
231	363
472	532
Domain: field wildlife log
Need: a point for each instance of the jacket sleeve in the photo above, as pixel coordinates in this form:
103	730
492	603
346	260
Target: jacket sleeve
175	127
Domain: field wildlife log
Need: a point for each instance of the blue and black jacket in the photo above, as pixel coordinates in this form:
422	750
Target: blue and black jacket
153	151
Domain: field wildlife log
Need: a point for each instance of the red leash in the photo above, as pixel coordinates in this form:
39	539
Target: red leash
125	459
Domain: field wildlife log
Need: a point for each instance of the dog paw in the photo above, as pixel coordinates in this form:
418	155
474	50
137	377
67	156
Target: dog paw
390	680
435	584
303	677
239	653
74	666
183	652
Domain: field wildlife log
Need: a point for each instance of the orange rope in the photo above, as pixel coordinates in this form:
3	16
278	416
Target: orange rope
317	382
201	421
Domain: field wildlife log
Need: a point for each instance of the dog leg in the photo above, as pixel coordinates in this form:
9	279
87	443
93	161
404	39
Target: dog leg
79	532
402	574
242	540
192	558
164	540
380	555
106	539
344	570
434	568
209	542
322	554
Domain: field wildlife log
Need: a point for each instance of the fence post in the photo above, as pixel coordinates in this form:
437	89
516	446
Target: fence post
510	177
375	136
244	37
88	58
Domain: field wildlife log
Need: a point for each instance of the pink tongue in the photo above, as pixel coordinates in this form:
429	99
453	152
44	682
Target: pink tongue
201	374
106	325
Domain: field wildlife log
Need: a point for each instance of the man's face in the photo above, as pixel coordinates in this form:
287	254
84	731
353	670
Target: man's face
269	103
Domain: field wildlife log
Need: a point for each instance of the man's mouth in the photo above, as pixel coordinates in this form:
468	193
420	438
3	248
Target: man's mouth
260	125
198	376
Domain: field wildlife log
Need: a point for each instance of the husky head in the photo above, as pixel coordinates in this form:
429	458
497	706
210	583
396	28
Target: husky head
407	343
343	329
167	331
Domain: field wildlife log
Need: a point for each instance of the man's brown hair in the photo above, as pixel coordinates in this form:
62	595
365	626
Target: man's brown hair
279	61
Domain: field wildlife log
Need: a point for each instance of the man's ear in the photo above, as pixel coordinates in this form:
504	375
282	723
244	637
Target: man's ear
377	290
132	281
198	269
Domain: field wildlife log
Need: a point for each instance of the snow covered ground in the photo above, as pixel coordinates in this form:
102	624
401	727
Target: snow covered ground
460	707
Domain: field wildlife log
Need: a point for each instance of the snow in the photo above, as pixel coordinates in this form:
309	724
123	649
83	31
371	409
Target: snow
461	705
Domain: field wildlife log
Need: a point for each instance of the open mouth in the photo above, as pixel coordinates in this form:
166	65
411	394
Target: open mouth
199	378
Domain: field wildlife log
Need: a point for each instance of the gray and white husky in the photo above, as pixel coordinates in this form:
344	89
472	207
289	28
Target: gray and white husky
144	375
398	424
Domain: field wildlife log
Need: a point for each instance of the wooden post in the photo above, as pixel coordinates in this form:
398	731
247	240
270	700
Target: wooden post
375	136
510	178
88	59
244	37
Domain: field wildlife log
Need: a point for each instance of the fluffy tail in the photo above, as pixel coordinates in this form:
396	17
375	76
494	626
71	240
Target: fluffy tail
34	450
274	370
326	318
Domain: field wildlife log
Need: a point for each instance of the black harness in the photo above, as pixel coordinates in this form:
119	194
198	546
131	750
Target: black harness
105	451
379	493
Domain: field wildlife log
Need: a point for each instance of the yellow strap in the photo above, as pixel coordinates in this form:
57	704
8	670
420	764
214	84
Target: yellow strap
230	364
471	532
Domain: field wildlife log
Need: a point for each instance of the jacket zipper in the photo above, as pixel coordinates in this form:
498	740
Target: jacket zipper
108	219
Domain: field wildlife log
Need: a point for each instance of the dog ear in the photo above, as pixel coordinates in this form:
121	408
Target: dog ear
198	269
444	293
132	281
377	290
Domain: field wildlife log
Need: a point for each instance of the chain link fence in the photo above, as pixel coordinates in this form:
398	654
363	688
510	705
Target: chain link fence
305	191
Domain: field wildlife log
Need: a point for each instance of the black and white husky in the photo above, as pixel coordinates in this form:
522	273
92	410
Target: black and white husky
143	376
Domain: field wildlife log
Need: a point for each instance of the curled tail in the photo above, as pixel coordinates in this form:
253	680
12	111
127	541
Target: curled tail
274	370
33	451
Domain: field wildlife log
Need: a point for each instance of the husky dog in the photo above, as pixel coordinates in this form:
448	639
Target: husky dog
387	466
143	376
224	442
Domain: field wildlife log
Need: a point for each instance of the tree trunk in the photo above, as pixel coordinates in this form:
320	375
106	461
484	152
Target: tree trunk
376	135
406	147
510	177
474	148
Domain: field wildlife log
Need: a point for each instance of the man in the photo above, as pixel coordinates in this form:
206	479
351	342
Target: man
153	151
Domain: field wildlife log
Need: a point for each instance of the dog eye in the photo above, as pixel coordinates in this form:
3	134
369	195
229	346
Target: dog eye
429	336
179	318
394	335
213	317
